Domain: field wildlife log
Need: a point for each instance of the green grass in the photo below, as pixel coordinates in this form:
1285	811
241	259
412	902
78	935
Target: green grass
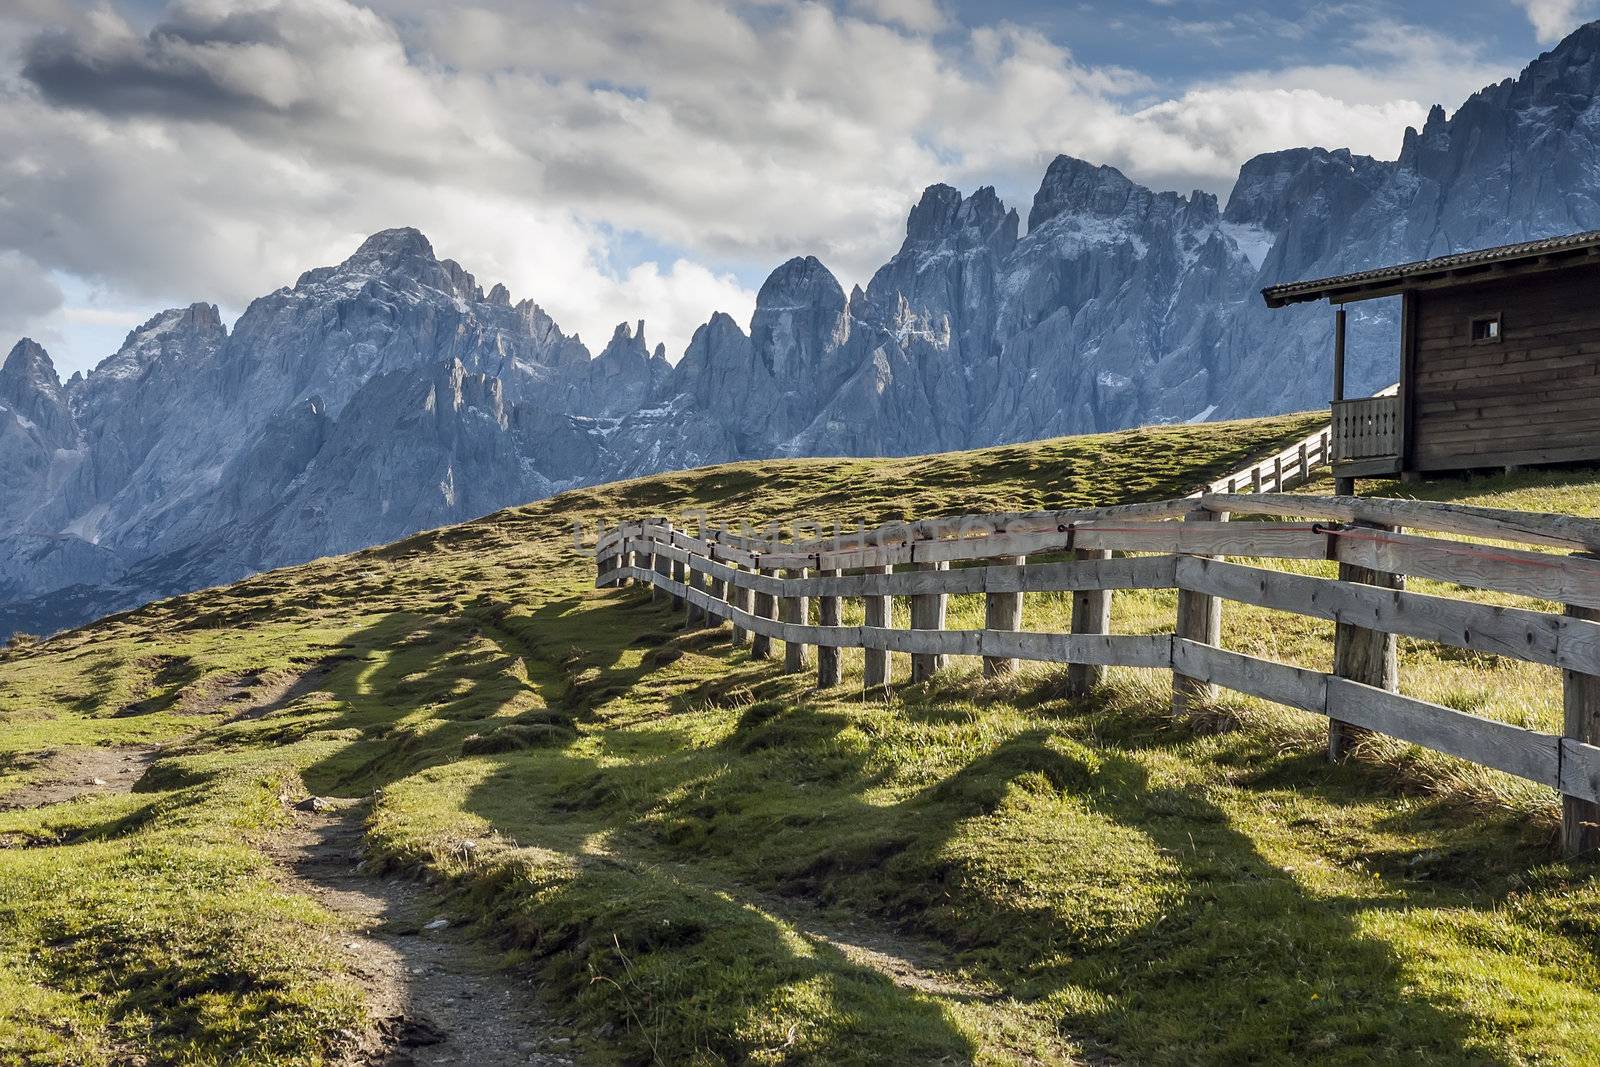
662	827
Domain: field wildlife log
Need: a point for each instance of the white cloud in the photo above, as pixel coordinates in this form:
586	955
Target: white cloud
1554	19
251	139
26	295
127	318
27	298
920	16
1210	131
508	242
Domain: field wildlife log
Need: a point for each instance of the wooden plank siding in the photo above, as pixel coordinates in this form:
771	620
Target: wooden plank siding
1531	396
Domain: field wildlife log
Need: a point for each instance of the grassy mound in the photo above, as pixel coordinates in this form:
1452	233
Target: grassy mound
707	861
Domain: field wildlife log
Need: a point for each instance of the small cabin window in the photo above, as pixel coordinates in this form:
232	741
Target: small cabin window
1485	328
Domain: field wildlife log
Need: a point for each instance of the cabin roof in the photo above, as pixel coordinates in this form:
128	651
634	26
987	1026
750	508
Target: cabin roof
1459	268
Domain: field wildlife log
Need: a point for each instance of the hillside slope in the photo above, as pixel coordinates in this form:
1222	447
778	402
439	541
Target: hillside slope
702	861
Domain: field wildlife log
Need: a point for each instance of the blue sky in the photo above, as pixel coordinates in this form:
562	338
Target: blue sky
642	158
1188	40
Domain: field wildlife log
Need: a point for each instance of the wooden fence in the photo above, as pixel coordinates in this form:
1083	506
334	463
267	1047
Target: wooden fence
1289	466
1282	470
764	588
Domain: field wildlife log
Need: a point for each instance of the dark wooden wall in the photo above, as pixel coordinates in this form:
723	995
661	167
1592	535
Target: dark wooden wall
1531	397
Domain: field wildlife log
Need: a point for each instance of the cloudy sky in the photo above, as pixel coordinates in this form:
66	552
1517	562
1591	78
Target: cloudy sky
643	158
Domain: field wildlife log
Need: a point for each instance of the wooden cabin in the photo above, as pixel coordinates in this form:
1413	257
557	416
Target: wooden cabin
1499	360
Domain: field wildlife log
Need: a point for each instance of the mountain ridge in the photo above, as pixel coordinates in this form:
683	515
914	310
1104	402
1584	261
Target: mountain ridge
391	392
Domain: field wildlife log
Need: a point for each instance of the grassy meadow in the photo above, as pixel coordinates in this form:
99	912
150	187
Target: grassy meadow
706	861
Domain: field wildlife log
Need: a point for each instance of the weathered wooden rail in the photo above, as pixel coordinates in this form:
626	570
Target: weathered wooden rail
766	589
1295	464
1284	469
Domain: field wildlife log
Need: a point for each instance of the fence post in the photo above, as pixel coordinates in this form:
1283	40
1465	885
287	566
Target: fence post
739	597
827	655
880	613
1580	819
645	560
717	587
1277	473
1199	619
619	561
1305	462
618	557
796	609
679	575
694	615
927	613
1002	611
765	608
1362	655
663	568
1091	614
662	565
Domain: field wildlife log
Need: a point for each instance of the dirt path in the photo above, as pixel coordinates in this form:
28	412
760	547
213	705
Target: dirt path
434	996
69	773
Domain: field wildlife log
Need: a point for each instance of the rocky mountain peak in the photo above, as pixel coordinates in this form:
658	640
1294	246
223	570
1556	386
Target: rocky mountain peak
1201	208
1571	61
943	215
401	255
1433	139
800	316
499	295
716	363
933	217
400	242
196	318
802	282
625	340
1553	91
29	365
1274	186
183	332
624	375
1436	120
31	389
720	324
556	349
1075	186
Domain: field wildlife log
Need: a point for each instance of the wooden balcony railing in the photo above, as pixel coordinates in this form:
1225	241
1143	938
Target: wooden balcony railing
1368	428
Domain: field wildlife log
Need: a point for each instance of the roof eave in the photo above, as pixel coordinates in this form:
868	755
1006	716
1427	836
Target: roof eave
1337	291
1345	294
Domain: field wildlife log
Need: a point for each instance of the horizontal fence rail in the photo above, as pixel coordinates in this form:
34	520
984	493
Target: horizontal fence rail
765	589
1282	470
1287	467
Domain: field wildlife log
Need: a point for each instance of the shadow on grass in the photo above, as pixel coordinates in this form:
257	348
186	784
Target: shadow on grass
173	674
626	942
1238	962
1202	951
